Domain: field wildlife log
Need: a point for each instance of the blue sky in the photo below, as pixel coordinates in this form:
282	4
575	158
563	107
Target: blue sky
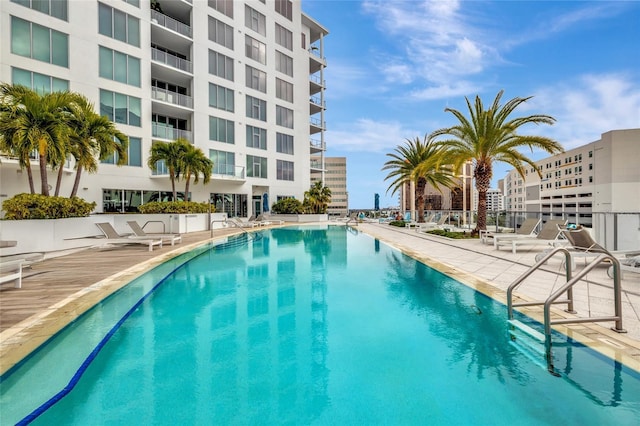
393	66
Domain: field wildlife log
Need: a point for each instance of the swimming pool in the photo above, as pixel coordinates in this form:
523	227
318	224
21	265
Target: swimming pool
309	325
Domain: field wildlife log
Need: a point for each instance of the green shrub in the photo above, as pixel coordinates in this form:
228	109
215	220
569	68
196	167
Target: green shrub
37	206
453	235
175	207
287	206
398	223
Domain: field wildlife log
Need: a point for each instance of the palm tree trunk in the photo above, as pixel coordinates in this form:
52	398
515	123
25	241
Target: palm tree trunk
186	187
76	182
30	179
44	183
482	185
59	179
172	176
420	186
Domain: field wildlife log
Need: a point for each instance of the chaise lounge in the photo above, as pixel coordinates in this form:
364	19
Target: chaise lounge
139	232
113	238
549	235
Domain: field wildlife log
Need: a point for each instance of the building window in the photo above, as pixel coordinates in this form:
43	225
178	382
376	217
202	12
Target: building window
284	64
284	37
256	166
284	117
39	82
223	6
120	67
221	130
256	108
135	3
590	154
220	97
284	90
256	79
255	20
220	65
256	137
224	163
235	205
220	33
284	8
284	143
134	154
590	166
37	42
120	108
118	25
56	8
255	50
284	170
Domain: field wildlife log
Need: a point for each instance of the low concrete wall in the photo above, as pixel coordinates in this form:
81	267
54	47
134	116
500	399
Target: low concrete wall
301	218
49	235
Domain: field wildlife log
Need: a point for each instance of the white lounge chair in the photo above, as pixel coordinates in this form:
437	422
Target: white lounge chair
139	232
270	219
12	271
548	235
430	225
527	227
113	238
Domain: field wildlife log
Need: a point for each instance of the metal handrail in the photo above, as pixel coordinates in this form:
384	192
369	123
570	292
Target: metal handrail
155	221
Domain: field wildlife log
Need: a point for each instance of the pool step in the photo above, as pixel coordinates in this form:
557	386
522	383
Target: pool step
524	328
528	341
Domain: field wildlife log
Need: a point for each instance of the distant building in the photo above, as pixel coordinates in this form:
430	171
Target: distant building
335	173
495	200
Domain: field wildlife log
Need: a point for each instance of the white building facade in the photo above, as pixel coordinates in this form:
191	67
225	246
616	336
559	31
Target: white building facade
241	80
335	178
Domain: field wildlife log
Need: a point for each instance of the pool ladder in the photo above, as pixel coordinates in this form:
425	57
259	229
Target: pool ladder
553	299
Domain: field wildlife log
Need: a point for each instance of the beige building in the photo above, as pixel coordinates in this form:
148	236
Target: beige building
591	185
335	178
242	80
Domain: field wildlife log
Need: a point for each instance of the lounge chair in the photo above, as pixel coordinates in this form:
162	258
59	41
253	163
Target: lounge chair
527	227
548	235
113	238
139	232
270	219
429	225
12	271
246	223
583	245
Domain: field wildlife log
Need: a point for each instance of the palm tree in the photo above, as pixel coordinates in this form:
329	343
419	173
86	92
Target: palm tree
30	121
489	135
94	137
422	163
194	162
317	198
171	154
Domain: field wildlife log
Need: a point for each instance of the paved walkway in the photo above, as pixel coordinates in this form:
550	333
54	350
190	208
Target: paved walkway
59	289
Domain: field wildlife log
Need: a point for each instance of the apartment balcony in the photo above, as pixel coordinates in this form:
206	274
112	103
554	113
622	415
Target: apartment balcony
316	104
162	131
170	32
317	146
230	173
316	166
168	67
171	104
316	60
316	125
316	84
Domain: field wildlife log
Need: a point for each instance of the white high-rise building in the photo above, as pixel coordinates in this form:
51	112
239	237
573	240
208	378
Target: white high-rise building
242	80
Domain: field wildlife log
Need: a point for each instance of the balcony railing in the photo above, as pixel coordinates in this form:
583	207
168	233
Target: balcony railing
316	101
171	60
171	97
316	164
228	171
316	122
170	23
316	79
314	143
161	130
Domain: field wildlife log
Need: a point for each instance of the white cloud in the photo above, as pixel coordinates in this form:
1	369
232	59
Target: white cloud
367	135
588	106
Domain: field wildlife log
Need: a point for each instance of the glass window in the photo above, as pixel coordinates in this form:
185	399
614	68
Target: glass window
224	163
41	43
133	30
104	20
256	108
284	37
38	42
105	57
256	137
284	8
220	65
119	25
221	130
119	67
256	79
120	108
284	64
135	152
223	6
255	20
255	50
135	111
55	8
284	117
256	166
284	170
39	82
220	33
220	97
20	37
133	71
284	90
284	143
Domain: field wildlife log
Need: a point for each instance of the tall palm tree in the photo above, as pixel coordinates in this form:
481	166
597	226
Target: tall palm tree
317	198
194	163
171	154
30	121
93	137
489	135
422	163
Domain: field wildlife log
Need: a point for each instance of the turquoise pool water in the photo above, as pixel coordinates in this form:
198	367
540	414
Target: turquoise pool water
309	325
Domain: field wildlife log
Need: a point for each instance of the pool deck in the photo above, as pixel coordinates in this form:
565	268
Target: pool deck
58	289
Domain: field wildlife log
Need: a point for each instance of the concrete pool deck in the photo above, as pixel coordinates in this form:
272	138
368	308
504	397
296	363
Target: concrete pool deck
57	290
